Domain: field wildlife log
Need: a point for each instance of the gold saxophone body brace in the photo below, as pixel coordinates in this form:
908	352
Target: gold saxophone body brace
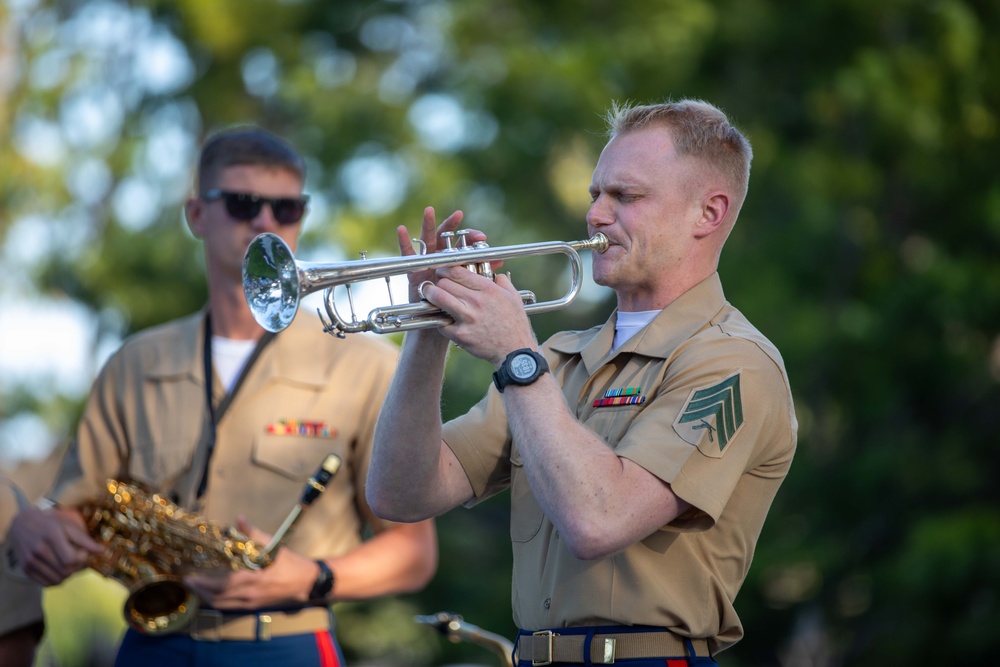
152	543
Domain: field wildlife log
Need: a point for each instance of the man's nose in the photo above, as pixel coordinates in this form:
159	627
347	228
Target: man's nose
599	213
264	220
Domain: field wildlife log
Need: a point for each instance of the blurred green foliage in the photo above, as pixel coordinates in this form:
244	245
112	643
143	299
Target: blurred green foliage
867	249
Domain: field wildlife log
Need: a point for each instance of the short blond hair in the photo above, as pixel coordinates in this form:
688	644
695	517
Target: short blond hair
698	129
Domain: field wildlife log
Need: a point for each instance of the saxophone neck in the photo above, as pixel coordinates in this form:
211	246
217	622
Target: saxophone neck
286	526
313	489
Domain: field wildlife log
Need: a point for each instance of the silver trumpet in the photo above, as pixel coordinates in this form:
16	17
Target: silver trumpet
274	282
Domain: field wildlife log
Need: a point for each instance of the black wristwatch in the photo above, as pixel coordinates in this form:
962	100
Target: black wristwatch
323	584
520	367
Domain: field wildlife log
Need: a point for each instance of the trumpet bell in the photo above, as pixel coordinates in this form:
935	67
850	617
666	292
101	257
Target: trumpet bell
271	282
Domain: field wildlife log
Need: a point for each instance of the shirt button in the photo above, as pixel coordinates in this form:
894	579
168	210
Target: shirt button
547	603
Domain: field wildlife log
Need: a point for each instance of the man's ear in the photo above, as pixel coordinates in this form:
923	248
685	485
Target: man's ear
714	209
194	209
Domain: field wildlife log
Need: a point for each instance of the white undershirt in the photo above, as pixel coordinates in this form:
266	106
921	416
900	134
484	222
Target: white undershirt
628	324
229	356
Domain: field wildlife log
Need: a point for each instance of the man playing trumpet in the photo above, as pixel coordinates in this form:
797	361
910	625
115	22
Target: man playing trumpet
642	455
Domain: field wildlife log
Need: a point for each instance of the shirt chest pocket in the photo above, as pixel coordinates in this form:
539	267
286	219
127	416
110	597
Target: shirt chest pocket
293	457
612	423
614	397
526	514
165	425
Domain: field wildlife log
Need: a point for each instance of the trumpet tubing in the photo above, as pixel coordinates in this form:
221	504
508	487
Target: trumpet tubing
274	282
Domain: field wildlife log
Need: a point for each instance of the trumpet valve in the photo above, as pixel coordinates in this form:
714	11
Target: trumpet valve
484	269
461	234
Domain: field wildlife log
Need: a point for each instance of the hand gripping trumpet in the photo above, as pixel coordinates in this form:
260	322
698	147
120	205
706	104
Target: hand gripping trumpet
151	543
274	281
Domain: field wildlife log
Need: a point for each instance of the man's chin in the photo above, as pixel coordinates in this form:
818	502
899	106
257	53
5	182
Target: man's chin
602	272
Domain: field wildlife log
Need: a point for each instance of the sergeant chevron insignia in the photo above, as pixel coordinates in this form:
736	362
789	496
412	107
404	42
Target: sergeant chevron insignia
716	411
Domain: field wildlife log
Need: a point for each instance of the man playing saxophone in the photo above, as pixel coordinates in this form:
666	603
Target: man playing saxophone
229	421
642	455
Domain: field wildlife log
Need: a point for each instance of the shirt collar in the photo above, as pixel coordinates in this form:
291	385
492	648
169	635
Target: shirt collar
183	356
681	319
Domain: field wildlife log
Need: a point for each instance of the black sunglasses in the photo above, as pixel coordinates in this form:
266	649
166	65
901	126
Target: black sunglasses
245	206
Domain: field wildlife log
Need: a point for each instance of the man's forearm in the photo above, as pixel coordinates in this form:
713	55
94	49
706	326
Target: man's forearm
401	559
599	502
403	477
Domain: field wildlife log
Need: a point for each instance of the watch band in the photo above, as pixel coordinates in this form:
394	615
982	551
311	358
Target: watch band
503	375
324	582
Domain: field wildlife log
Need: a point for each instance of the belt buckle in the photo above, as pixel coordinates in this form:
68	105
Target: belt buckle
264	627
542	633
207	625
607	651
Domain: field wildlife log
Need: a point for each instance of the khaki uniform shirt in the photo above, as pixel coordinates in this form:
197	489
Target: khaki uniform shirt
306	396
20	600
698	398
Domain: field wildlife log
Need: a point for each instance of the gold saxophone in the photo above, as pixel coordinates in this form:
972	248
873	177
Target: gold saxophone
152	543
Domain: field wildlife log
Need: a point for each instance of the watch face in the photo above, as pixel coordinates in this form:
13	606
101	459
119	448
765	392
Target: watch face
523	366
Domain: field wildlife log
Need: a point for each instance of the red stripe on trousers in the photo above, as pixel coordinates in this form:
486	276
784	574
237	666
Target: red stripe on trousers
677	663
327	653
